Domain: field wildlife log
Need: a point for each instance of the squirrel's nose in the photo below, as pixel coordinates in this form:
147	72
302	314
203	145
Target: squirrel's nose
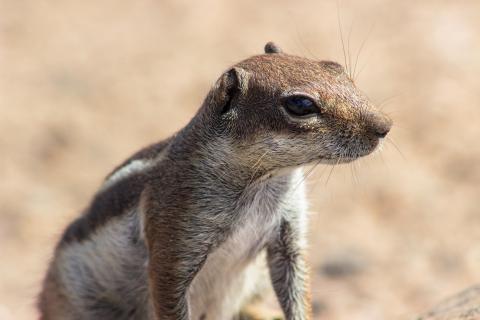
382	131
380	125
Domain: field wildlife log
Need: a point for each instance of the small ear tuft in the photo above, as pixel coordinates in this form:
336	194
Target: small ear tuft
271	47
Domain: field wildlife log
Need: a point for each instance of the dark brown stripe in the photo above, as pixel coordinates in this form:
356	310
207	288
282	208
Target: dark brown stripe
112	202
117	199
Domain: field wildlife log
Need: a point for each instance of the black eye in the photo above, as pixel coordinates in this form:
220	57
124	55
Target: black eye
300	106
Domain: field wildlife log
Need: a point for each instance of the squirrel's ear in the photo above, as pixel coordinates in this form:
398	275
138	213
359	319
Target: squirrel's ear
271	47
230	85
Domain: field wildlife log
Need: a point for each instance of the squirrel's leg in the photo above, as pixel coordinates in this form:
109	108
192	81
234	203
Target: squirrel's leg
288	270
174	258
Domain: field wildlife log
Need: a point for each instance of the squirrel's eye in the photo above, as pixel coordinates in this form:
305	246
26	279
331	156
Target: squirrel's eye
300	106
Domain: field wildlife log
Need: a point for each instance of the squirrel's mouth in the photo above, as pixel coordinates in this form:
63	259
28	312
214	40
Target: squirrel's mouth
352	152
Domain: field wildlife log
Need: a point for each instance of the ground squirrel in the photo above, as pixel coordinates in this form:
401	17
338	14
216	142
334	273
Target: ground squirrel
194	226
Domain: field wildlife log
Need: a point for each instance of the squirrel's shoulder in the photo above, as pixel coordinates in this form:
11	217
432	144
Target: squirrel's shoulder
119	193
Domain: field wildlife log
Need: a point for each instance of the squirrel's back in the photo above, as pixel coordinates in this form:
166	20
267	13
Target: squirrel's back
103	249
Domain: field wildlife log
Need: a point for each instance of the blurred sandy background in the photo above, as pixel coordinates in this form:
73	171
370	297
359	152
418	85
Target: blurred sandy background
83	84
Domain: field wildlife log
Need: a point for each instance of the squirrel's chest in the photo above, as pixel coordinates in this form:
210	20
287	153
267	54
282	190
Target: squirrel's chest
231	271
248	238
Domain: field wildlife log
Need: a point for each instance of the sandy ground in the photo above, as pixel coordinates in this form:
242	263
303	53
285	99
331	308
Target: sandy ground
83	84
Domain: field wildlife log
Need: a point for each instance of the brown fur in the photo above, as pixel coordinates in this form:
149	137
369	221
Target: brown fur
148	244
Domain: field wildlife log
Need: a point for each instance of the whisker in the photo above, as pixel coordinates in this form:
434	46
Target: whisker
364	65
305	176
331	171
353	168
360	50
352	174
302	43
399	126
383	103
320	176
380	155
396	147
256	166
348	51
341	37
356	168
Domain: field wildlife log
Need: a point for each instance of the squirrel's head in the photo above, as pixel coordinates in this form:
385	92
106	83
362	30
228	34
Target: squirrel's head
292	111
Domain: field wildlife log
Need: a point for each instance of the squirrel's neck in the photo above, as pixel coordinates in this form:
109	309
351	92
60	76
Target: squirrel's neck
204	151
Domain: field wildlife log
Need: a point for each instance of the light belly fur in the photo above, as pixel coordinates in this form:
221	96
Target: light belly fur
232	274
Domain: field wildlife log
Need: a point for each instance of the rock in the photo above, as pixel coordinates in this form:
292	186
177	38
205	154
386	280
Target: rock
343	264
463	306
